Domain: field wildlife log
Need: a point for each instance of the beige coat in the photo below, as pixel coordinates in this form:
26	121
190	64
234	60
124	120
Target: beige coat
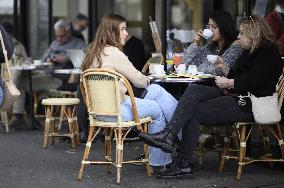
115	59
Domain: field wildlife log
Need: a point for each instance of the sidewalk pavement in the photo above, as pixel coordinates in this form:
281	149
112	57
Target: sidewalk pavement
25	164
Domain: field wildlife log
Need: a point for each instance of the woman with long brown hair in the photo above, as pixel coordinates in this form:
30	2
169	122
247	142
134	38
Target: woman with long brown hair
106	52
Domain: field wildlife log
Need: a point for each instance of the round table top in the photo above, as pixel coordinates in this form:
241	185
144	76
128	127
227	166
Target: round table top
67	71
180	78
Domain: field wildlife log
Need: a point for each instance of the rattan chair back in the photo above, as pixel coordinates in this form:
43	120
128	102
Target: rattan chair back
102	92
158	59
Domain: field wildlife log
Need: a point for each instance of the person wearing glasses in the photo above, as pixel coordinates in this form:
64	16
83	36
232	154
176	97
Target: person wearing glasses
203	105
222	44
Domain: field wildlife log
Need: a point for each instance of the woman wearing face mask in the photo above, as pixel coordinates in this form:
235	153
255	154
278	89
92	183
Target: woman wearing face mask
253	72
222	44
106	52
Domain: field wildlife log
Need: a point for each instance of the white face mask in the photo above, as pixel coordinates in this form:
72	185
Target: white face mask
279	9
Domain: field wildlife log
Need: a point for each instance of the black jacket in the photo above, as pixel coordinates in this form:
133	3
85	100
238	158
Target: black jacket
257	73
8	45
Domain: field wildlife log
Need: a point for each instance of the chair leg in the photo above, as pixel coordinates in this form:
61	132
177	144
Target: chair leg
280	140
69	114
200	152
146	152
76	129
108	148
119	151
217	142
242	151
265	139
61	118
48	112
225	150
4	118
52	129
86	153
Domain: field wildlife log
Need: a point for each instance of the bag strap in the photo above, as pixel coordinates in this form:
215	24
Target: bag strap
5	56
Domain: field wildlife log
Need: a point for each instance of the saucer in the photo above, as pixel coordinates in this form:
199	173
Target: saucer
157	75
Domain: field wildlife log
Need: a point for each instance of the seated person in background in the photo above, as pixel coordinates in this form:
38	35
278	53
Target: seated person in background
106	52
10	49
20	56
56	52
134	50
19	48
222	44
78	25
204	105
275	20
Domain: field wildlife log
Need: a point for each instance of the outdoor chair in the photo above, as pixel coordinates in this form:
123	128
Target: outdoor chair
244	135
51	107
158	59
101	93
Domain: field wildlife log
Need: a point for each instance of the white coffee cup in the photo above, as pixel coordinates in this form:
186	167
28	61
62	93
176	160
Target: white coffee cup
207	33
37	62
212	58
181	69
156	69
192	69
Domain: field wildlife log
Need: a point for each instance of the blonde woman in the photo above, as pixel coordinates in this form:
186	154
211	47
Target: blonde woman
106	52
256	71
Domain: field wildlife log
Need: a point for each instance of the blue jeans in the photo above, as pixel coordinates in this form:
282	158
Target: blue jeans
160	106
1	96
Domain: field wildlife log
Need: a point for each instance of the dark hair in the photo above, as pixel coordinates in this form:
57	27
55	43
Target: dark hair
9	28
226	25
81	17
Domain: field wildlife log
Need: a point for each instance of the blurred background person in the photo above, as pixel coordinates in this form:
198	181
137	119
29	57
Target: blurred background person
19	56
56	52
275	20
19	49
135	51
10	49
78	25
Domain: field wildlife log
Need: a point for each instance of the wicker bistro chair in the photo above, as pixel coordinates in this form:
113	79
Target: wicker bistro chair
51	106
243	135
158	59
100	89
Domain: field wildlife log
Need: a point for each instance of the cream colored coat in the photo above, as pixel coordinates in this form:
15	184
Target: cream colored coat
115	59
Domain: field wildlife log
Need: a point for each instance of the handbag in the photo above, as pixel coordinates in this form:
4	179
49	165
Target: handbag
10	91
265	109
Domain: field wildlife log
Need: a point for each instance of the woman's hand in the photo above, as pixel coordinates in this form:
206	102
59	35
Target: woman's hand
221	65
198	37
224	83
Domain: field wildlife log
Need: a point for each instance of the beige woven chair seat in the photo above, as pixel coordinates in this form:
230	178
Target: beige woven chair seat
122	124
60	101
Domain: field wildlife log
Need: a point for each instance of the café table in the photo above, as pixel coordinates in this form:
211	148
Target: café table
33	123
176	84
67	71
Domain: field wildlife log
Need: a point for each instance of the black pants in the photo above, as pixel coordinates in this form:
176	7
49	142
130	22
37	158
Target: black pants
207	106
82	114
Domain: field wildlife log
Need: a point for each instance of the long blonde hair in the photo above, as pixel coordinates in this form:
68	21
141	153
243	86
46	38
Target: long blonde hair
257	30
108	34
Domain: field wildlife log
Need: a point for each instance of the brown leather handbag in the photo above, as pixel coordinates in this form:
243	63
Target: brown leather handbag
10	91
